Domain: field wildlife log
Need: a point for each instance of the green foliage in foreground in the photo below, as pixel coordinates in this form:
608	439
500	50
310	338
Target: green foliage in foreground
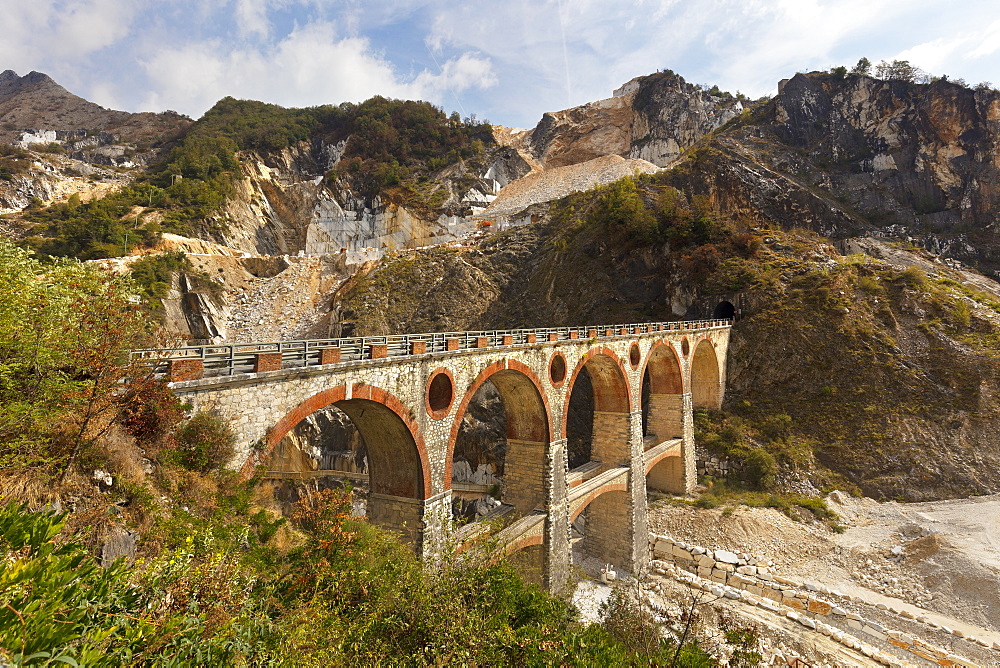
66	330
349	594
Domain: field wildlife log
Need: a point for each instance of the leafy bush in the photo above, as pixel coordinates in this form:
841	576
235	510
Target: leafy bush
153	415
914	277
961	314
761	468
620	210
869	285
204	443
900	70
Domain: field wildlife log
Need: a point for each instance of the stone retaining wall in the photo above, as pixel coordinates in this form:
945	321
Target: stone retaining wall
752	580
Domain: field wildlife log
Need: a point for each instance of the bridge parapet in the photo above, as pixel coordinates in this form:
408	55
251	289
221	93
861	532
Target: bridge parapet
192	362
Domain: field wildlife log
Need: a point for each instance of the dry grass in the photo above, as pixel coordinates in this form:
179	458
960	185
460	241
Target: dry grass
26	486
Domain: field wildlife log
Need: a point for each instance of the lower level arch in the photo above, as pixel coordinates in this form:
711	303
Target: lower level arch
398	461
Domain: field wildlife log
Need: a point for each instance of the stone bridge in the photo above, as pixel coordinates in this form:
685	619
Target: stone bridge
407	396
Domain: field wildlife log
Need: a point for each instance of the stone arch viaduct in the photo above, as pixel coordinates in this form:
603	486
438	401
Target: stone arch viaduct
407	396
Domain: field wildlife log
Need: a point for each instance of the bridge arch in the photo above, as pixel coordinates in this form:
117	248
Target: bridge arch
664	416
604	514
611	406
529	431
577	508
398	464
706	377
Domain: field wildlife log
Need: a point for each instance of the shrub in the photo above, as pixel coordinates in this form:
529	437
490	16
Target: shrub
914	277
708	502
869	285
204	443
961	314
625	618
761	468
621	211
153	414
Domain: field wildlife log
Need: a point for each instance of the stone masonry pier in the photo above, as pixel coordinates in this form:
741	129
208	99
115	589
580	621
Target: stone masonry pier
407	396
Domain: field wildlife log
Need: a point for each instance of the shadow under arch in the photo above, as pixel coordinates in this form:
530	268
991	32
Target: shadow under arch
611	406
664	412
529	431
706	378
398	465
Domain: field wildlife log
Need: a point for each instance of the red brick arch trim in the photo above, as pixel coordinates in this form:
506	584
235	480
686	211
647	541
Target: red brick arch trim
484	375
331	396
593	352
661	343
659	458
521	543
438	414
603	489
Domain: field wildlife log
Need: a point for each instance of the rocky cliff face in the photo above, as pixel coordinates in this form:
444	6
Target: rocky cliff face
286	205
652	118
862	156
921	155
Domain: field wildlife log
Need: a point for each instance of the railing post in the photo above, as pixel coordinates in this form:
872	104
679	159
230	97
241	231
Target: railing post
185	369
267	362
329	355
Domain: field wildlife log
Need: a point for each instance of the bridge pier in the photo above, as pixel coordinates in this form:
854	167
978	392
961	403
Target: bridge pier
419	523
638	558
559	553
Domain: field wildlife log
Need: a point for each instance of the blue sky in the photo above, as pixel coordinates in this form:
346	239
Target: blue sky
506	61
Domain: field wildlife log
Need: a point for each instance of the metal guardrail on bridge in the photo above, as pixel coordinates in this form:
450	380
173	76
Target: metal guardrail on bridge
240	358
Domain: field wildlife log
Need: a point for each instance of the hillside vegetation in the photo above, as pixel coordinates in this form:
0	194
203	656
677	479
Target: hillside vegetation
849	371
389	149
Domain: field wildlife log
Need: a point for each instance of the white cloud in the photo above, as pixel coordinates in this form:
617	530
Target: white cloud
510	62
955	55
41	33
251	18
989	42
310	66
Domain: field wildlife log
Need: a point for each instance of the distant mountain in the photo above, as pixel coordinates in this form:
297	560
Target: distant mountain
36	102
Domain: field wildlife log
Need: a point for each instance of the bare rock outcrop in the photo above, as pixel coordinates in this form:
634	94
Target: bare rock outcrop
652	118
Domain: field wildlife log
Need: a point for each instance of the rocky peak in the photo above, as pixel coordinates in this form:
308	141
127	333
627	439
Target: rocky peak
921	155
11	84
652	118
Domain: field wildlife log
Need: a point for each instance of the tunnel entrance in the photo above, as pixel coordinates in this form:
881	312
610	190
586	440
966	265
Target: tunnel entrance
724	311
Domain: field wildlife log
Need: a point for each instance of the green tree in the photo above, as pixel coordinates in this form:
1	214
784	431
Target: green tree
899	70
863	68
66	330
